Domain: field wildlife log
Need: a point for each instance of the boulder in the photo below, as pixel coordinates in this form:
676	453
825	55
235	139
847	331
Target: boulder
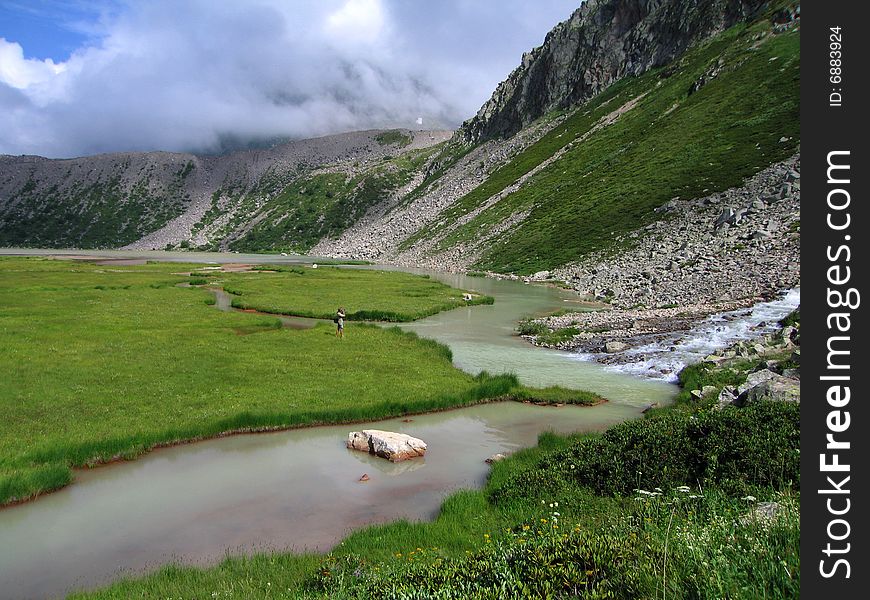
614	346
726	396
767	385
395	447
778	389
495	458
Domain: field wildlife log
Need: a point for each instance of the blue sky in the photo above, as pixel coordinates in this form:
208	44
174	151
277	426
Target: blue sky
53	28
88	76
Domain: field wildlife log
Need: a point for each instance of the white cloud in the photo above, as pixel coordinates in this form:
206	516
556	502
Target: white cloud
22	73
358	21
171	75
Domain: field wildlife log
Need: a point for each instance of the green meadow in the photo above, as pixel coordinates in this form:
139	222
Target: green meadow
366	295
103	363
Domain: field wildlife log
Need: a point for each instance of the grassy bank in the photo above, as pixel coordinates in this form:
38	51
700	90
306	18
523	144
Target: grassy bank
102	363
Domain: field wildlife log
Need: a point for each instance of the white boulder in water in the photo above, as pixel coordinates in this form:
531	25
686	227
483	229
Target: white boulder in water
395	447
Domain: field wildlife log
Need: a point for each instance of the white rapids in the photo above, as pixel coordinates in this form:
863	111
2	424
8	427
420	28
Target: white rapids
665	358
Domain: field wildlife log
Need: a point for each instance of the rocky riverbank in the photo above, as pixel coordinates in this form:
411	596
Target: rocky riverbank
658	343
741	244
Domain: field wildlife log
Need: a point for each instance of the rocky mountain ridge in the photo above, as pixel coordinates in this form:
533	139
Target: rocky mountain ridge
150	200
602	42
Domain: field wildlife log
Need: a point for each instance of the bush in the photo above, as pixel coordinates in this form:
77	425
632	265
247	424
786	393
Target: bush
737	450
529	327
537	561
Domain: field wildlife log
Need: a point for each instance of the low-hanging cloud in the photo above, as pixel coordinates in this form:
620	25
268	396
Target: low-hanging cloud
167	75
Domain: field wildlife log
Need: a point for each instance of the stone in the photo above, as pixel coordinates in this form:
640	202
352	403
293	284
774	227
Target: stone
777	389
649	407
725	217
495	458
767	385
615	346
726	396
792	374
365	477
395	447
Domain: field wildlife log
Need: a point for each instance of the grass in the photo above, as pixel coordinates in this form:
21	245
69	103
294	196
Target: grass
364	294
105	363
394	137
557	395
295	216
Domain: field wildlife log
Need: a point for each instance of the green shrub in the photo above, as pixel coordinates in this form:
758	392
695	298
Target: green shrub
530	327
738	450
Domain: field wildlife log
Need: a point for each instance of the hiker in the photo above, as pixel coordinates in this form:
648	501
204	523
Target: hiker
339	322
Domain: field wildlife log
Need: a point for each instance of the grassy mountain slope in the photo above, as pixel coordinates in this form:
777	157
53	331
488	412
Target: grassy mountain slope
724	111
102	202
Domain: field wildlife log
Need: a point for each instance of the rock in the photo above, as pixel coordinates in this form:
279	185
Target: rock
725	217
766	384
777	389
365	477
649	407
789	335
395	447
696	395
726	396
541	275
708	389
753	379
792	374
614	346
495	458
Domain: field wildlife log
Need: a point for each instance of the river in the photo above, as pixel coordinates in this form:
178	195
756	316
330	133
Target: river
299	489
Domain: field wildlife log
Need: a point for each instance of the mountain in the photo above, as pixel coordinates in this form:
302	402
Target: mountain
603	42
285	197
631	111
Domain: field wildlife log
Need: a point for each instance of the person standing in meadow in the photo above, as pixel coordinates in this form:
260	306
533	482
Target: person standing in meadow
339	322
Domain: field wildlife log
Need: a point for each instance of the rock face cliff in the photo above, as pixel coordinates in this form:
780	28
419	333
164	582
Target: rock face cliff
602	42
